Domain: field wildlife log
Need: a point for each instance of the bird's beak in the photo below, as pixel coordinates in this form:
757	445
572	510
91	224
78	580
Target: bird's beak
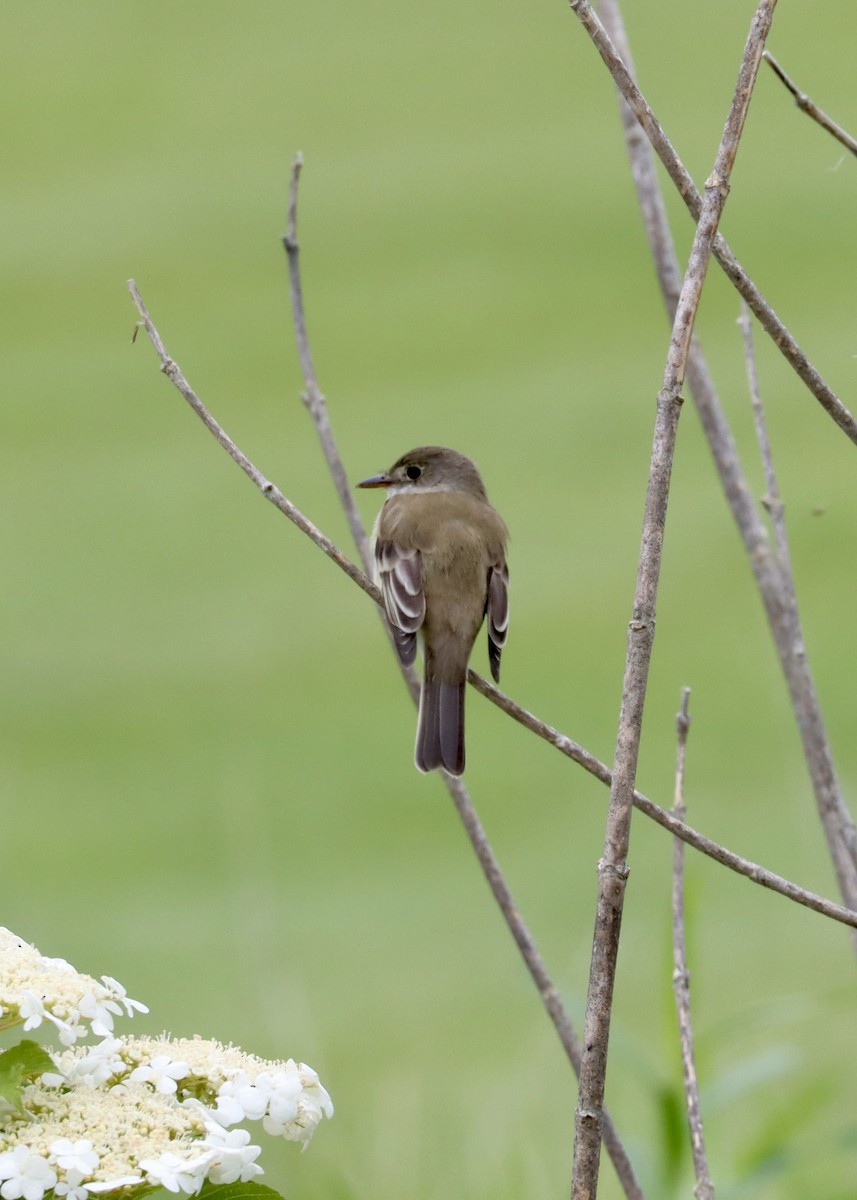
382	480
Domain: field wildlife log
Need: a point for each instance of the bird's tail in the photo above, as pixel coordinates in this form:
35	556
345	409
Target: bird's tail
440	729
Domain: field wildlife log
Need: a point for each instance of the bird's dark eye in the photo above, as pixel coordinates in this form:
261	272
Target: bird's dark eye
414	472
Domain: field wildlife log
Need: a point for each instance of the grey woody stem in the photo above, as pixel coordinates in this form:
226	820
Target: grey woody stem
269	490
613	867
807	104
704	1189
313	397
772	500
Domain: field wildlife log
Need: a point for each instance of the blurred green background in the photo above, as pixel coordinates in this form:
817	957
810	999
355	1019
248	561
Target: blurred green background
208	788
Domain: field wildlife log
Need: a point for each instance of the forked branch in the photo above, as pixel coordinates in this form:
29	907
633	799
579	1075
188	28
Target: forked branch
768	319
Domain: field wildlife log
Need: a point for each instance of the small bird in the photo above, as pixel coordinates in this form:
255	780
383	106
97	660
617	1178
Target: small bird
440	555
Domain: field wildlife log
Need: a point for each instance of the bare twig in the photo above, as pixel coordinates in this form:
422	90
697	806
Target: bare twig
316	405
704	1189
773	586
807	105
613	868
313	397
269	490
680	176
772	500
560	741
682	728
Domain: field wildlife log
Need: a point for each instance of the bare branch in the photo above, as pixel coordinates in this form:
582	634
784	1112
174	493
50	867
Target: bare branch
613	868
682	728
805	104
680	176
316	405
704	1189
772	500
313	397
269	490
780	608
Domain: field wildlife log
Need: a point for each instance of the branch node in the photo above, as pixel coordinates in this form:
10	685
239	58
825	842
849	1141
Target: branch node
638	625
681	980
807	105
716	182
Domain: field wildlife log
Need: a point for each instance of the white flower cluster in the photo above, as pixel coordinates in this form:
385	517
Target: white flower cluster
133	1113
35	989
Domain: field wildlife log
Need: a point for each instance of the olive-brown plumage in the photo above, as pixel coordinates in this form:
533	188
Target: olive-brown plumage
440	551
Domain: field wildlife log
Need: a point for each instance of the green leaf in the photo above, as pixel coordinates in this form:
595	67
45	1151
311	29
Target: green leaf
239	1191
219	1191
34	1059
17	1065
12	1085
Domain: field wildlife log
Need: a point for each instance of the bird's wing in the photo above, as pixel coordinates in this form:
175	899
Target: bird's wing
497	610
401	578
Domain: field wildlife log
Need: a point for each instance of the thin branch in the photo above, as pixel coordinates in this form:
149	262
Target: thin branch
772	500
805	104
560	741
313	397
316	405
776	590
613	868
704	1189
680	176
833	812
269	490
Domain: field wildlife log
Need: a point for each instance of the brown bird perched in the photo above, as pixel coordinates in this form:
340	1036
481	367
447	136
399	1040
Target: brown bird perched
440	554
